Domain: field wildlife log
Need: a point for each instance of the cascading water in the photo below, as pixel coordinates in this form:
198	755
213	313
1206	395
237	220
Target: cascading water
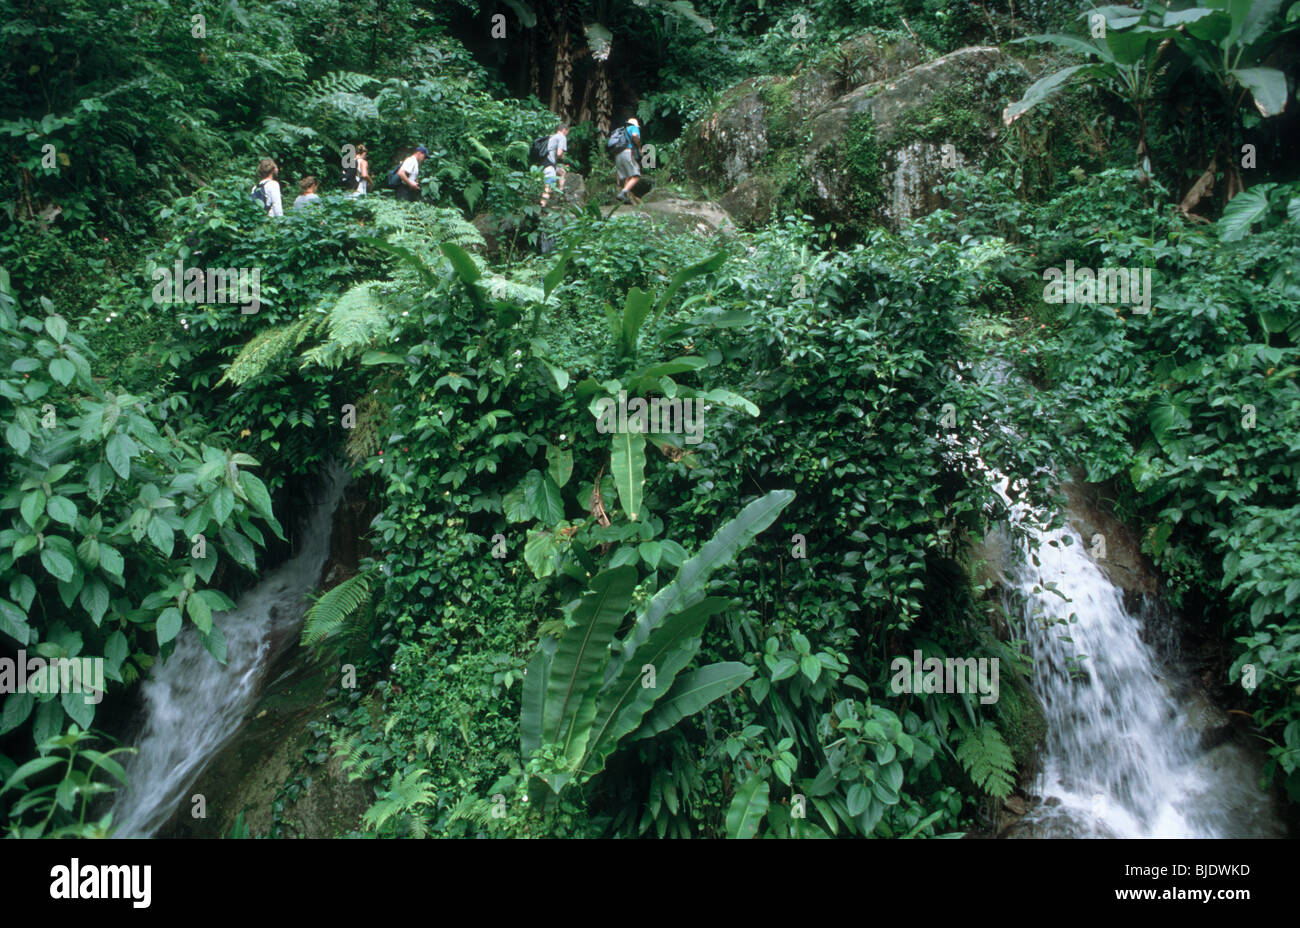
1123	758
193	705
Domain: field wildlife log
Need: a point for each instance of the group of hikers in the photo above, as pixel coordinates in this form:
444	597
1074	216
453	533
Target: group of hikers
550	152
623	146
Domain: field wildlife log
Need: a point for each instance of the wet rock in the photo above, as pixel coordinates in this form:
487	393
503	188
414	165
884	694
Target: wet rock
1123	563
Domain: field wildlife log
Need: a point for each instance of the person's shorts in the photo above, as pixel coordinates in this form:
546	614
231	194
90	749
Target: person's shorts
626	165
549	173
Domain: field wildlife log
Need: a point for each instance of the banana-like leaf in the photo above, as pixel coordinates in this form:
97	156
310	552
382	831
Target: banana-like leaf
747	808
627	464
635	309
717	552
581	655
556	274
1266	85
691	692
461	262
689	273
624	701
1042	89
536	679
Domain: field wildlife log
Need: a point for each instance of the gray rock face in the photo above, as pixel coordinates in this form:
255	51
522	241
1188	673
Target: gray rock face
772	139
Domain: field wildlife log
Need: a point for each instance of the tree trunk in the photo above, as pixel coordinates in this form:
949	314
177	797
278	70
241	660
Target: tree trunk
604	100
562	76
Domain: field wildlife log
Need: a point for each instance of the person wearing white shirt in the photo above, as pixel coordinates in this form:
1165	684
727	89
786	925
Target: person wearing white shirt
408	175
553	170
267	172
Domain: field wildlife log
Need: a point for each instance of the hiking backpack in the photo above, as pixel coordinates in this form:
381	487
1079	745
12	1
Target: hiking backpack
538	151
618	141
351	180
259	195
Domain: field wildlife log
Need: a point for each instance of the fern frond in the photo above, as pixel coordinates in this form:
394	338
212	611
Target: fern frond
328	614
986	757
265	348
407	794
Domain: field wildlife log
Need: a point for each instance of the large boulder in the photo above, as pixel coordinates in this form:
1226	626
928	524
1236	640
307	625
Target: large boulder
863	137
668	209
728	146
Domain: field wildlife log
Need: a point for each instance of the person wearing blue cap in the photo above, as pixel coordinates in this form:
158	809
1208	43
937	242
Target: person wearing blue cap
627	163
408	175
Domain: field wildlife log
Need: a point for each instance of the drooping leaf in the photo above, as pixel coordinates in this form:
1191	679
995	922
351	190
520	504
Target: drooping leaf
690	693
748	807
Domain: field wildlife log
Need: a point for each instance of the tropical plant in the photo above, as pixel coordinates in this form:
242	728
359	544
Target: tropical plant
60	809
580	700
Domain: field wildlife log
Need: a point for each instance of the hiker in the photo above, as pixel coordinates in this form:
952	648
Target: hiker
406	176
307	191
356	179
267	191
625	142
553	163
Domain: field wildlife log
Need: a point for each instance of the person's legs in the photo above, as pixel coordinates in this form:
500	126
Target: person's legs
628	172
549	173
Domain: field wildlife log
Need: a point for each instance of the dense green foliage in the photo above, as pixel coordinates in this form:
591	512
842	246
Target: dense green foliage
525	566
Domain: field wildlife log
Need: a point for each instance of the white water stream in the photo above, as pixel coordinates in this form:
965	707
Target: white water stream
193	705
1123	758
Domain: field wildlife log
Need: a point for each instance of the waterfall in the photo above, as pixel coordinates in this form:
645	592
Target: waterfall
1123	758
193	705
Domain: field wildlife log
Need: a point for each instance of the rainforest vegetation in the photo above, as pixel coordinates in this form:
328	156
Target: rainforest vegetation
548	628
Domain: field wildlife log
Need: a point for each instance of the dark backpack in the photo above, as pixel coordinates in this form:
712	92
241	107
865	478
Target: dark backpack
618	141
393	180
538	152
259	195
351	180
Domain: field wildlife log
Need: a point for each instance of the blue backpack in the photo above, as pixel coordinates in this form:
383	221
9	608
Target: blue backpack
259	195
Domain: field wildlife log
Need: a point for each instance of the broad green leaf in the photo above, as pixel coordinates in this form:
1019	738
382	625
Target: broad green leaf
62	370
636	306
747	808
32	507
536	682
559	463
627	464
169	624
62	509
57	326
1268	87
707	266
200	613
717	552
539	553
623	702
461	262
581	653
119	451
1042	89
13	622
690	693
18	438
57	562
1242	211
543	497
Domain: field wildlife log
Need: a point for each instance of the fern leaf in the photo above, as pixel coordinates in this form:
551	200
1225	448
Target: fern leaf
986	757
265	348
330	611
